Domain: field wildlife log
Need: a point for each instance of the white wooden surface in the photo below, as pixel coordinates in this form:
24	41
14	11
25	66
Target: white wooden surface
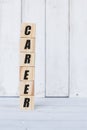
57	37
10	19
56	47
34	11
78	48
49	114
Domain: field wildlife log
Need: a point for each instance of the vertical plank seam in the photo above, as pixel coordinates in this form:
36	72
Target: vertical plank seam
21	10
45	48
68	48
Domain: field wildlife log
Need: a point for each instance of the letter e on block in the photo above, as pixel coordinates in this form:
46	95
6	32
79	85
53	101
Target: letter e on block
26	88
26	73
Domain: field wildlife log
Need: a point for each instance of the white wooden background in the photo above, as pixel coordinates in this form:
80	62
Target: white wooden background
61	46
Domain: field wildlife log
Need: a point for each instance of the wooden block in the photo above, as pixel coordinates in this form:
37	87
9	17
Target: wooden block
27	59
26	102
27	45
28	30
26	73
26	88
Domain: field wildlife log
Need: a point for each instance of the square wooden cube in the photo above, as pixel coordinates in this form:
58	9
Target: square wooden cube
26	73
27	45
27	59
26	88
28	30
27	102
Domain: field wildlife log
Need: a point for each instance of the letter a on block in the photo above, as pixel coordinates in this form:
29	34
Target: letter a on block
27	45
28	30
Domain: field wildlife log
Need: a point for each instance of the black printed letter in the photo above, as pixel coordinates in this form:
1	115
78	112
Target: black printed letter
27	30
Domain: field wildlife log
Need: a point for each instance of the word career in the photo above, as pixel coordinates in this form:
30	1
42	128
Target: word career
27	66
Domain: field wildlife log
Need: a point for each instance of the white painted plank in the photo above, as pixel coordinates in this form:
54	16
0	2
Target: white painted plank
66	102
37	115
46	128
42	124
47	112
11	128
34	12
60	128
78	48
10	18
57	48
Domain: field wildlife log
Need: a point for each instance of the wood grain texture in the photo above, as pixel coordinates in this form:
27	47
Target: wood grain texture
57	48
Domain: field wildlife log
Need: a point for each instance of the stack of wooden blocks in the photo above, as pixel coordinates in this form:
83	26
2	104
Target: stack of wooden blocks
27	66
